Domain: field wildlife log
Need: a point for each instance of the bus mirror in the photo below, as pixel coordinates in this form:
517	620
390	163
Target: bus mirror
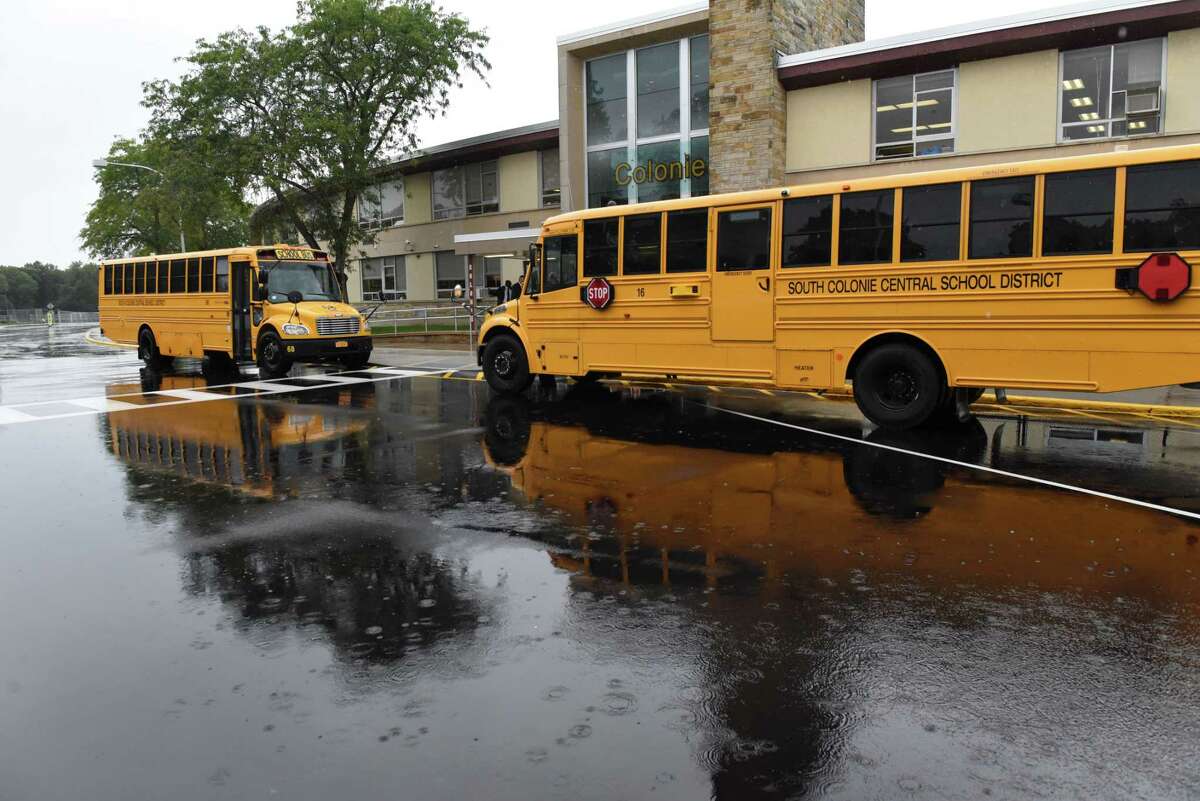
262	277
260	293
293	296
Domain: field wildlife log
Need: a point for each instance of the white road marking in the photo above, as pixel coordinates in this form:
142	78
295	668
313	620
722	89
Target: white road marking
178	397
968	465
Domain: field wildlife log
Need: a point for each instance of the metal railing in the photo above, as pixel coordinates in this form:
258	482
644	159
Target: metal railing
424	319
39	316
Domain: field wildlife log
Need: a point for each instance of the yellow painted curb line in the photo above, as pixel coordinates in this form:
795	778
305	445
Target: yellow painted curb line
106	343
1035	402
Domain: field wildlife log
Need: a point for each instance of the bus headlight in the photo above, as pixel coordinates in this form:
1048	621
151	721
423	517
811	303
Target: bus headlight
295	330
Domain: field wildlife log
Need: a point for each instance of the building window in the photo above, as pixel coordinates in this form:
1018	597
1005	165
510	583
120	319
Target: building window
451	271
1115	90
381	206
551	190
384	278
914	115
647	123
466	190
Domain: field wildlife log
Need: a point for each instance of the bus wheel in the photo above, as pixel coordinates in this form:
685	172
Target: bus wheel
148	351
272	359
505	365
897	386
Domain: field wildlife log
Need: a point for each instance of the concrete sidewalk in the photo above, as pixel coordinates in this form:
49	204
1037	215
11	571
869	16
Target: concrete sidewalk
424	357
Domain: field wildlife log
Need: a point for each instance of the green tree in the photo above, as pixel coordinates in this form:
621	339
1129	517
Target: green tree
22	288
311	112
138	212
80	287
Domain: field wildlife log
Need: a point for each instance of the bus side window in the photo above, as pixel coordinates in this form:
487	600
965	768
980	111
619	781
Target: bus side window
687	241
1078	212
193	275
600	247
931	221
177	282
744	240
206	274
164	279
1001	218
222	273
151	278
865	231
108	279
127	269
139	278
808	231
643	244
1162	206
560	263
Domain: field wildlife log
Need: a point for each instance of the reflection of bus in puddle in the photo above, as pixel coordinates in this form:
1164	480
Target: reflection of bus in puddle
258	447
693	497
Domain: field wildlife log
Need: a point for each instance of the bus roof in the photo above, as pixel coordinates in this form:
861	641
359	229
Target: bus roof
241	250
1148	155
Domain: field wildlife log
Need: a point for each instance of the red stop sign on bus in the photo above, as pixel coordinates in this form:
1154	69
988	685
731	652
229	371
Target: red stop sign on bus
598	293
1164	276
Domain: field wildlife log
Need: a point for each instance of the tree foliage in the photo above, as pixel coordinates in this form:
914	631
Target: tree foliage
311	112
138	212
37	284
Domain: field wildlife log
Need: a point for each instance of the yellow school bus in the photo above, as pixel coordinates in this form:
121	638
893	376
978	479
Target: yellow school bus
271	305
921	290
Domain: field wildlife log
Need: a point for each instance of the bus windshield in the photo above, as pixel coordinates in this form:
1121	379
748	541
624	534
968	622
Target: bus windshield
312	279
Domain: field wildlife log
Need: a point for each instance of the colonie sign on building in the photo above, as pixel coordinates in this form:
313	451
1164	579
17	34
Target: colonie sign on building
659	171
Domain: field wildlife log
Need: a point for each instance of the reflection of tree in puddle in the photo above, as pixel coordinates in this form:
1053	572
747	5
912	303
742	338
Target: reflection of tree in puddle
333	561
373	600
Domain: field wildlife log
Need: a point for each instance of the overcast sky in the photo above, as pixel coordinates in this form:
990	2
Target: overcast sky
71	74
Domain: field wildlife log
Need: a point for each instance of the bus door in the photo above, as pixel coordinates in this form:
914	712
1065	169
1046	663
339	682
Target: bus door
552	312
743	307
241	291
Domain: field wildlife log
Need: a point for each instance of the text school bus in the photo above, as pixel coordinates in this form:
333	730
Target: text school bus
921	290
271	305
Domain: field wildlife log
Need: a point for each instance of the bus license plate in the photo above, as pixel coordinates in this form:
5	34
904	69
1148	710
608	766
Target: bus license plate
341	344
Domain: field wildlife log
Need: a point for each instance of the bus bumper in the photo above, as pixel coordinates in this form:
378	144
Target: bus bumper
326	348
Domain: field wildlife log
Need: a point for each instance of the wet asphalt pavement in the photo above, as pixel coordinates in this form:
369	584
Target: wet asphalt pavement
402	587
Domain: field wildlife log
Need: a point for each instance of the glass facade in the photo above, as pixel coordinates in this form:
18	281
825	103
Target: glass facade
384	278
914	115
466	190
382	205
451	269
647	123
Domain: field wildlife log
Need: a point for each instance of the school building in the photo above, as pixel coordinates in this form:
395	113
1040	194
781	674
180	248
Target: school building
729	95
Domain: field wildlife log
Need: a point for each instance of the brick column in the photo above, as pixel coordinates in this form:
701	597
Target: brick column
747	104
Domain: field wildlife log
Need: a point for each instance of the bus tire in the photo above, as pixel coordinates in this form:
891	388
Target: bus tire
272	359
148	351
505	365
898	386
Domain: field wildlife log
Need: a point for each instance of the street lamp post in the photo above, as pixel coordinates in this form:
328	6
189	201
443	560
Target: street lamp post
101	163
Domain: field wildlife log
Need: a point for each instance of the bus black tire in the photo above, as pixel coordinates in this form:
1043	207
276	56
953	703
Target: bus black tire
505	365
148	351
898	386
272	359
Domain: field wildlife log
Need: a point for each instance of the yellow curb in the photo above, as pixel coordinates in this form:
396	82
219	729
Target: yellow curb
1035	402
106	343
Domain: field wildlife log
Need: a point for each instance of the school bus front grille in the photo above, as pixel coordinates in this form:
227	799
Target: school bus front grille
337	326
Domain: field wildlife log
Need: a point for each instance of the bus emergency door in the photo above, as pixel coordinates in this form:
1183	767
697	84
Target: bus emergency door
240	291
743	308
